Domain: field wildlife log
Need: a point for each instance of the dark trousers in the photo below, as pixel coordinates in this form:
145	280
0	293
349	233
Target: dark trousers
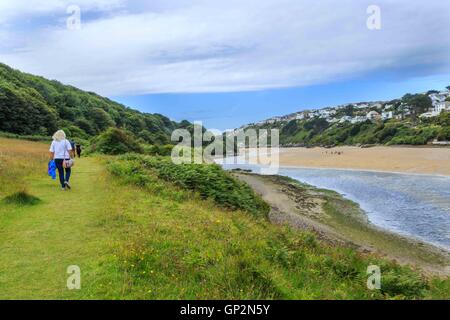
61	169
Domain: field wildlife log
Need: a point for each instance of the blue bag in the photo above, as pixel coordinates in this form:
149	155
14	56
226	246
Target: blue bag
52	169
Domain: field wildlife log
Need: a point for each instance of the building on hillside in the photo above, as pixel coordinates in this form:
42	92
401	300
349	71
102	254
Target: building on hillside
300	116
404	110
377	105
387	115
273	120
358	119
438	97
345	119
430	114
439	107
333	120
373	116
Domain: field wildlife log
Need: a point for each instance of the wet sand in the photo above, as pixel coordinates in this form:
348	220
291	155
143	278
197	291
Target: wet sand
422	160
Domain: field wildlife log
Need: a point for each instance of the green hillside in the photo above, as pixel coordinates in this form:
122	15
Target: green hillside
318	132
411	120
33	105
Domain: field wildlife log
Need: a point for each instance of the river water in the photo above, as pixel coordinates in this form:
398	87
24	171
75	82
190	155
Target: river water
413	205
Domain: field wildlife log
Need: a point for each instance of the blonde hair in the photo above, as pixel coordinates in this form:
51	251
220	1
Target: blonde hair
59	135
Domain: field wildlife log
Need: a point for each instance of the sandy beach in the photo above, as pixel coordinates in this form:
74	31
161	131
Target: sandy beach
422	160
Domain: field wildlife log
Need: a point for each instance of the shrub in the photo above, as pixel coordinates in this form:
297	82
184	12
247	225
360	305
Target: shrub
21	198
444	134
209	181
402	281
157	150
115	141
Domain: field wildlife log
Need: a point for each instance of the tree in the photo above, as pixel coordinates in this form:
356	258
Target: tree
23	111
316	125
291	128
101	119
115	141
419	103
31	105
85	125
444	134
349	110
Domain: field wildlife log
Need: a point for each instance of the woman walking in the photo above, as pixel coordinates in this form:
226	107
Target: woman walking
61	152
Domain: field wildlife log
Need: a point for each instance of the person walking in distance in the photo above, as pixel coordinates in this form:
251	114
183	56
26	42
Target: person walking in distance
61	152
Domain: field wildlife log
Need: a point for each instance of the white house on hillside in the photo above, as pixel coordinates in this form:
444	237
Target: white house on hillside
345	118
439	97
441	106
387	115
377	105
358	119
373	115
429	114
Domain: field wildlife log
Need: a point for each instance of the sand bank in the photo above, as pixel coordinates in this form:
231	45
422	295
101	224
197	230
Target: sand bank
423	160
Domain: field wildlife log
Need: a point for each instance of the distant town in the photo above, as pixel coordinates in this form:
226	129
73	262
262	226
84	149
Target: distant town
363	111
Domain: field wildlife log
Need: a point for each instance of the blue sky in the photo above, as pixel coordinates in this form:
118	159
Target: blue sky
231	110
231	62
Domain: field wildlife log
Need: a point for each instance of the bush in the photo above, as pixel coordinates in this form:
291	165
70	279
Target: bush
444	134
115	141
402	281
157	150
209	181
21	198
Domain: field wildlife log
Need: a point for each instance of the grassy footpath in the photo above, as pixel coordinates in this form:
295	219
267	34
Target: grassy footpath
38	243
135	236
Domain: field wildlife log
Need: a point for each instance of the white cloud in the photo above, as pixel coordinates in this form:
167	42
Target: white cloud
216	46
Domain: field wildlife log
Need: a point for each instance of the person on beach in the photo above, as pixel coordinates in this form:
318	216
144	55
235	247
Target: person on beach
61	152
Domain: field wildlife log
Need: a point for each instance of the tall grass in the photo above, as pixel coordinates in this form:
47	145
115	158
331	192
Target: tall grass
22	137
20	160
208	180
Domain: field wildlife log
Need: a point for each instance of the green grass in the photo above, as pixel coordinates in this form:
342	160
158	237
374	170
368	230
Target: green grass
162	241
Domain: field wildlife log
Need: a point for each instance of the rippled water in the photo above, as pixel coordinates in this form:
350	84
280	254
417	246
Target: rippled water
408	204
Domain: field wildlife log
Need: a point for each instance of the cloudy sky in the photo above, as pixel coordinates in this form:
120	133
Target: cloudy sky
235	61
